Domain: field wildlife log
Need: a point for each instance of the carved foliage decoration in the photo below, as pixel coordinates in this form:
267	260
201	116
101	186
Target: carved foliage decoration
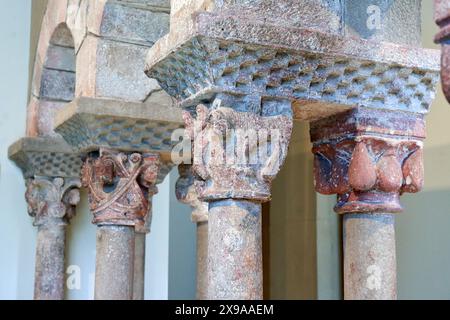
52	200
236	154
368	173
119	187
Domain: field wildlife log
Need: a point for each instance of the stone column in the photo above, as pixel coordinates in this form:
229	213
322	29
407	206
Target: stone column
51	201
369	158
254	60
141	231
118	185
51	170
187	194
235	162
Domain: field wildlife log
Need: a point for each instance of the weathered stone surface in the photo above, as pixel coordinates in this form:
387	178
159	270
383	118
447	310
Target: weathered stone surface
60	58
119	71
46	115
132	24
235	169
47	157
396	21
224	54
77	20
187	193
49	263
57	85
324	15
52	200
369	257
368	158
114	263
120	186
91	124
149	3
235	257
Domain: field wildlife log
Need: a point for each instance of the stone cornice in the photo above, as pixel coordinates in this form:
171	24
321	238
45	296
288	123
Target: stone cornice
228	55
45	157
90	124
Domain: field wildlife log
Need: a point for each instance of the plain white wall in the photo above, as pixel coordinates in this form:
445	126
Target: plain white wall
170	260
17	237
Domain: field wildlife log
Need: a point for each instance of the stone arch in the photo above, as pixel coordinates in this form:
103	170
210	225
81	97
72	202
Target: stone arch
109	41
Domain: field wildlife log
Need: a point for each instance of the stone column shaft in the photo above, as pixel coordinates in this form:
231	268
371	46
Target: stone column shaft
202	260
114	263
51	201
50	262
369	257
124	207
139	266
235	264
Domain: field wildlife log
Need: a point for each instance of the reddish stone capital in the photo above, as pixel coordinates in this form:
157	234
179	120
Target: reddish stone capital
368	158
120	186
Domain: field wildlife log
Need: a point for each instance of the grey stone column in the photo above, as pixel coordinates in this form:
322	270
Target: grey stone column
139	266
234	177
52	203
235	264
187	194
51	170
141	232
322	58
117	212
114	263
369	257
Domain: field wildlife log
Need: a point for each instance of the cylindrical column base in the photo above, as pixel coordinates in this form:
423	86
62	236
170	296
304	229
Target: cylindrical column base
49	274
369	257
114	263
139	267
235	250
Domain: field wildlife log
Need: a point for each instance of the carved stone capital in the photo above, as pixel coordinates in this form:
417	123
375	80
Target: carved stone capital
237	154
442	17
368	158
52	200
120	185
187	193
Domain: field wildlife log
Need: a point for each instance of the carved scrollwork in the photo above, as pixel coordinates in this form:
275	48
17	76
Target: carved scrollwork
119	187
236	154
52	200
